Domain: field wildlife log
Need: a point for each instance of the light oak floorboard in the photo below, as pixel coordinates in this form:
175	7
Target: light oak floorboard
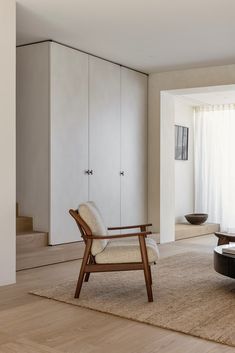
30	324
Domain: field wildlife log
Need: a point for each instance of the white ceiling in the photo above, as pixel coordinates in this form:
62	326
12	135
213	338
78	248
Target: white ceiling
148	35
211	95
212	98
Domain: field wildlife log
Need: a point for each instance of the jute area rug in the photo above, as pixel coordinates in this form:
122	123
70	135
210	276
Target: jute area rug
189	297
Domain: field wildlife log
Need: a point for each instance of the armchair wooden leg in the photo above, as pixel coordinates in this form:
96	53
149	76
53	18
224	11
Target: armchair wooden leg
87	275
147	273
82	270
150	275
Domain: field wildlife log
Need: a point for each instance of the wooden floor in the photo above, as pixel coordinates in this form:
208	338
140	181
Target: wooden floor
29	324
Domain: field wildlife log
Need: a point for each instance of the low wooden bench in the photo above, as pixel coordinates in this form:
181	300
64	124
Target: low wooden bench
224	238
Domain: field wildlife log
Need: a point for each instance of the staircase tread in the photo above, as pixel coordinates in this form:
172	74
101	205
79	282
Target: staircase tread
49	255
32	232
23	217
54	248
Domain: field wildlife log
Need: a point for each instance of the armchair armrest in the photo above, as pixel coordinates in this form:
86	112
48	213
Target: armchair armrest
116	236
131	227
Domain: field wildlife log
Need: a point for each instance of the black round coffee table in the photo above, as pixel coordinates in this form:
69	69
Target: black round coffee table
224	263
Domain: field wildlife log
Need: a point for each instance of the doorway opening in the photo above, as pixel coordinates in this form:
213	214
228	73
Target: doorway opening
179	182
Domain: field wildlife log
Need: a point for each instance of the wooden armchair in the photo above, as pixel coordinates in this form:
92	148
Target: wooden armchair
104	255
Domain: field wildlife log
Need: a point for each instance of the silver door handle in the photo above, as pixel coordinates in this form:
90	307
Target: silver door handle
89	171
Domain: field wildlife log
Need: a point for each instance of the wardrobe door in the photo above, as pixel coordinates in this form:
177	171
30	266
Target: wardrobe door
104	138
69	140
133	147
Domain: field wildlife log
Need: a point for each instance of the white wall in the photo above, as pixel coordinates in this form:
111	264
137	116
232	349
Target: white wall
184	170
32	133
7	142
203	77
167	153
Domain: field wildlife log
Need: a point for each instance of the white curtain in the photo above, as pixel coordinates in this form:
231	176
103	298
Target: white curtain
214	138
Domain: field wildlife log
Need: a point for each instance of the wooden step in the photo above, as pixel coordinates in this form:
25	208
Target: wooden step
24	224
30	241
186	230
49	255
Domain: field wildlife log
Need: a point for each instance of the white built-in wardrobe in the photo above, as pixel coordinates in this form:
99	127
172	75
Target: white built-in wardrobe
81	135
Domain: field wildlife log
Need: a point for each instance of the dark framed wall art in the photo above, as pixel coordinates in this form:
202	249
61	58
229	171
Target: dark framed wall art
181	142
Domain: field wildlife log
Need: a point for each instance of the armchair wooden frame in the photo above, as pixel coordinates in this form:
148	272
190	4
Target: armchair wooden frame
89	265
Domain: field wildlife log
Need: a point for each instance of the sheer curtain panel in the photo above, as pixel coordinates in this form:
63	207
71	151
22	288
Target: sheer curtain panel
214	138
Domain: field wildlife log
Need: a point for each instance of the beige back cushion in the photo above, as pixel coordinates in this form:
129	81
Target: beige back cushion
91	215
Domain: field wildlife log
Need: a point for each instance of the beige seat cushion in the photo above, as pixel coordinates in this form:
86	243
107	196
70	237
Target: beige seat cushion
91	215
126	250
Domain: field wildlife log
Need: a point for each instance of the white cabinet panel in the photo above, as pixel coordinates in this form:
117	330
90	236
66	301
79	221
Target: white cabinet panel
104	138
133	147
69	140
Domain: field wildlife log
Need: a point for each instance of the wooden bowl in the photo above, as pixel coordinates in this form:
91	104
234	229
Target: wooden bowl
196	218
